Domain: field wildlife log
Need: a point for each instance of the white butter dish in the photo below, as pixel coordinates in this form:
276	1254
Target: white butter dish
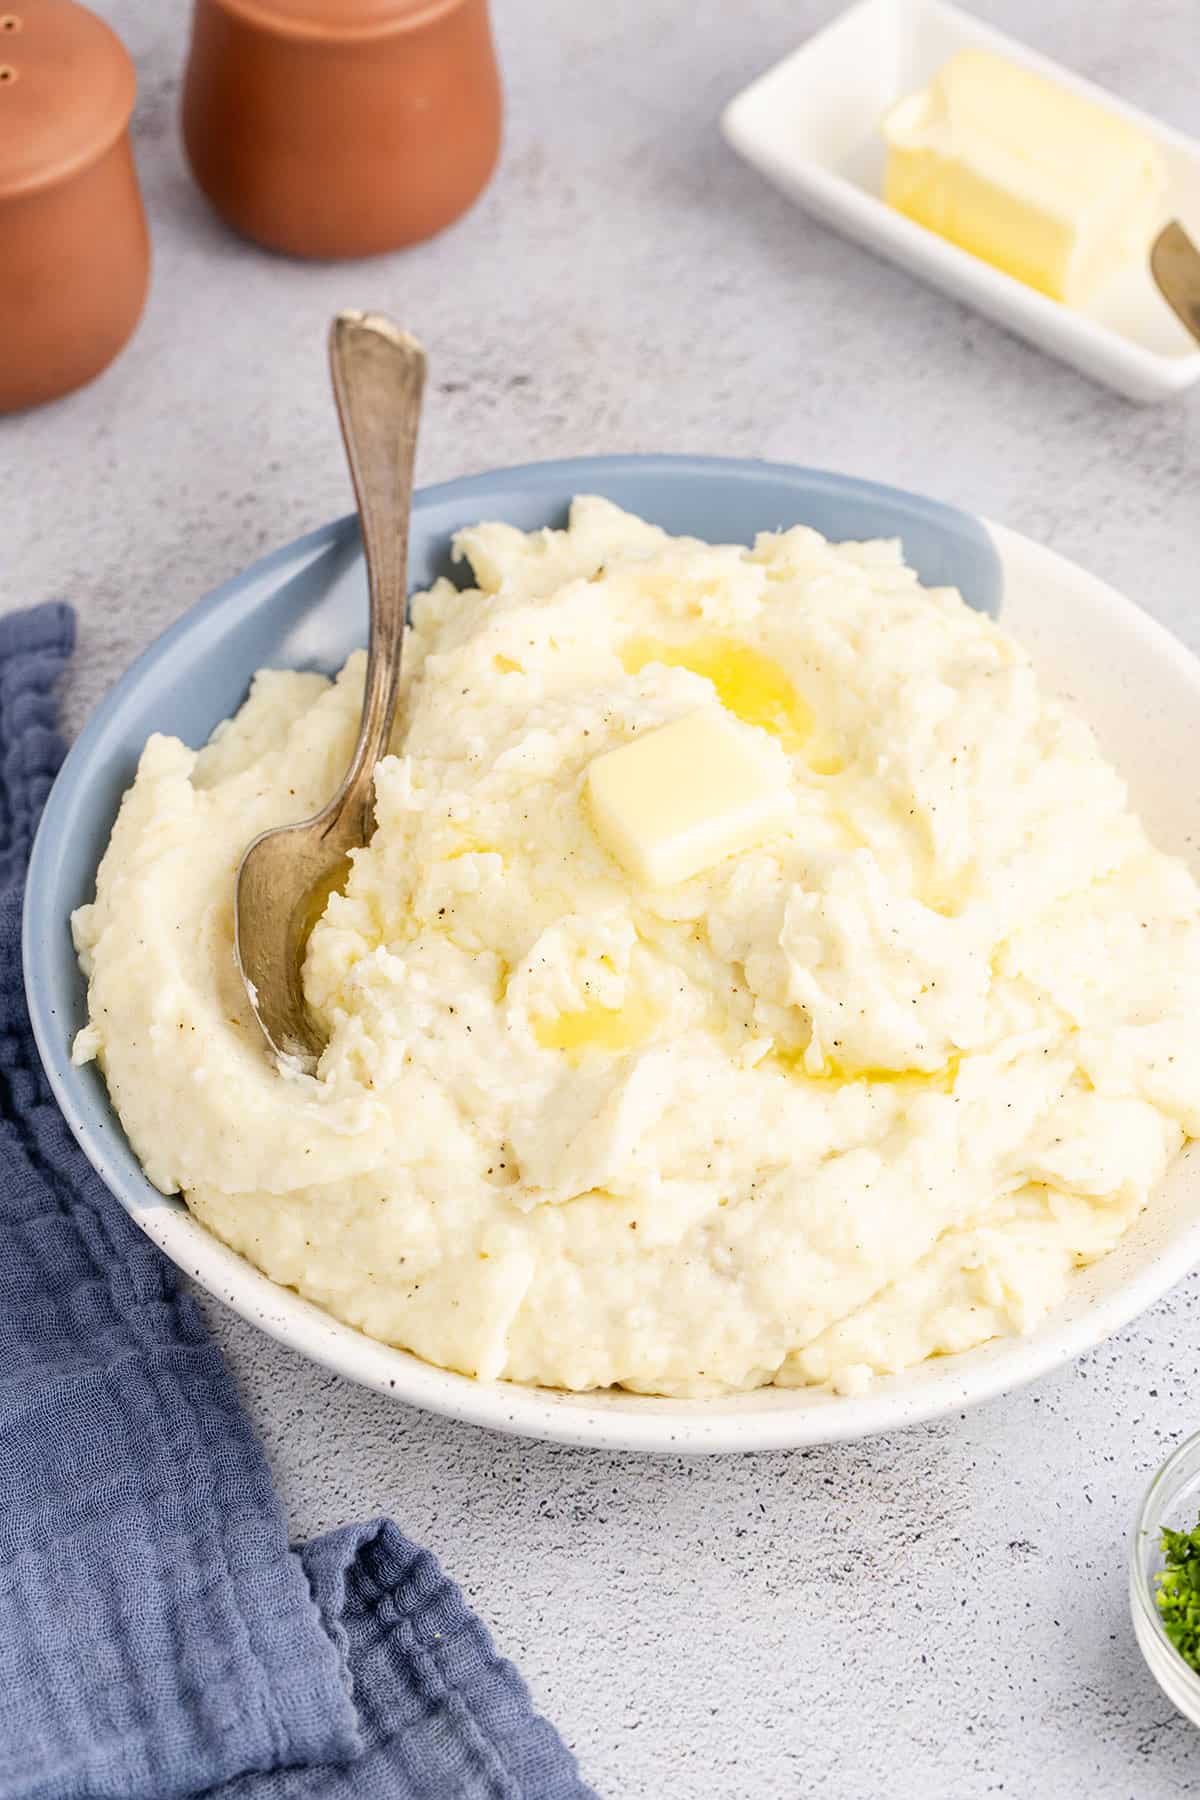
812	126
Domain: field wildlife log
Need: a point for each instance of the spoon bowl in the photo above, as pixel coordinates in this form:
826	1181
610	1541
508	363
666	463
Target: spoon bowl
288	874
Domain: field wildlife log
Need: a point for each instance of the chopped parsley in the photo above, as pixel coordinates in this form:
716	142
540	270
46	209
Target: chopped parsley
1178	1592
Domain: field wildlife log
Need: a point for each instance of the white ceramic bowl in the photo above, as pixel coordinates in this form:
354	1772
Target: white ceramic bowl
305	606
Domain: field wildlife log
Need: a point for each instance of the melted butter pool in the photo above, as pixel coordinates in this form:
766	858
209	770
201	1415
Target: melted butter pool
835	1074
596	1027
753	687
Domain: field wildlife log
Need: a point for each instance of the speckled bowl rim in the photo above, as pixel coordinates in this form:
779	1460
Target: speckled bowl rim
1065	616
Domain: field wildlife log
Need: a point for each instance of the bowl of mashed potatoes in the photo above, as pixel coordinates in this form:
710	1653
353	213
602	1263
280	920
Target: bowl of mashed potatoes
768	1009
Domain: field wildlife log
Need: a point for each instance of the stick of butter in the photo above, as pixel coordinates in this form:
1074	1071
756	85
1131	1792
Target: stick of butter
1029	176
680	798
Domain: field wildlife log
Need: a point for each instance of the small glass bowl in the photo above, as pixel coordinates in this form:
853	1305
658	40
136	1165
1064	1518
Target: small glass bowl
1172	1499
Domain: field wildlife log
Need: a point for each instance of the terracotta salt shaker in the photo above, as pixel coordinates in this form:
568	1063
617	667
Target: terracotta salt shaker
74	252
341	128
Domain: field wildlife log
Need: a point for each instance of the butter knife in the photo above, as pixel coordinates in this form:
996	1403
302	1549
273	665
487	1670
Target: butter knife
1175	265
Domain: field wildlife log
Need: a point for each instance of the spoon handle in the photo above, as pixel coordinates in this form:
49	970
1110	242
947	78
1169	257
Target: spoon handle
378	378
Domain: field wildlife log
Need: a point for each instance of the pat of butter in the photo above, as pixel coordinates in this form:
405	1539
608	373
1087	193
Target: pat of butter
1029	176
680	798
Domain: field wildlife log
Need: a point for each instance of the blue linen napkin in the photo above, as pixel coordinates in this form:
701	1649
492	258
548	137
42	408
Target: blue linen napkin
158	1638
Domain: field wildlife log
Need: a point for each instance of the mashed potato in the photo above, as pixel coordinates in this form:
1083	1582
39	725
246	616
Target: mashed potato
868	1093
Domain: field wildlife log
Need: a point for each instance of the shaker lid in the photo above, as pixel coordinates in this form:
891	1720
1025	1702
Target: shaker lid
335	19
66	91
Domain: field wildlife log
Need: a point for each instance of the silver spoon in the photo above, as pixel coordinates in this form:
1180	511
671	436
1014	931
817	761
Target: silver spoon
287	875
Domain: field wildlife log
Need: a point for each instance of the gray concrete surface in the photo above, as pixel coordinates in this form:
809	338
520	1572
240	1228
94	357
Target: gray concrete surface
938	1613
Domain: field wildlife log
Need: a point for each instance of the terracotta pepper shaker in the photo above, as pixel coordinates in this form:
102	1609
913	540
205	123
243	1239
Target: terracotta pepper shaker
341	128
74	251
